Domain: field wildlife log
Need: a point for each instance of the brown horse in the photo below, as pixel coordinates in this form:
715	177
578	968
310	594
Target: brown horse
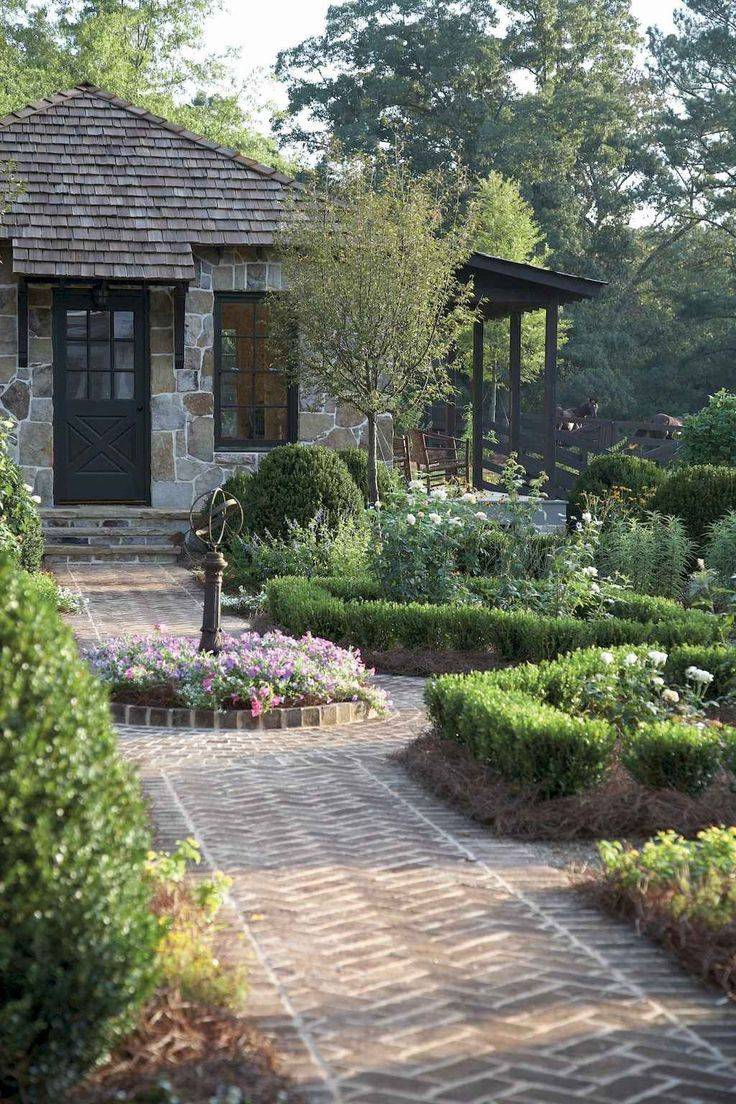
669	424
572	418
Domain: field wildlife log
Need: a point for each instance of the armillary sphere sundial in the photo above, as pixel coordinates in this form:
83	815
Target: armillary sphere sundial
213	517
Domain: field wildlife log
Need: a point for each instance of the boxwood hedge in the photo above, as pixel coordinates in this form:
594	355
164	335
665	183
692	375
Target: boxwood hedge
522	722
351	611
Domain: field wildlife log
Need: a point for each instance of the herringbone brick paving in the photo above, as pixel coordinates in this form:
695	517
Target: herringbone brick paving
401	953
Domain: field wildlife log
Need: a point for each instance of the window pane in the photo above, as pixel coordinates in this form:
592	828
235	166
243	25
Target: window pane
76	325
270	389
258	423
123	325
76	357
245	355
99	324
276	423
236	424
99	356
238	317
99	385
228	344
76	385
124	385
124	356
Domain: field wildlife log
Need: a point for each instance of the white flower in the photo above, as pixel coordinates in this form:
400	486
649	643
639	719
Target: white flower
438	492
435	518
36	499
657	680
27	487
416	485
700	564
480	514
594	588
590	571
696	674
410	519
658	658
467	496
606	657
455	521
631	659
587	516
670	696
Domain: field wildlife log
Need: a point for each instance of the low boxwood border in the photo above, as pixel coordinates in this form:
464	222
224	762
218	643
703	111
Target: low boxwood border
350	611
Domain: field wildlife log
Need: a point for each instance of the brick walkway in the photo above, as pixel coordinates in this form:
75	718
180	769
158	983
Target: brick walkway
401	953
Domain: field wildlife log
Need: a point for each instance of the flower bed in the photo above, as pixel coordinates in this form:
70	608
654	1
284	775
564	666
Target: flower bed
590	743
252	672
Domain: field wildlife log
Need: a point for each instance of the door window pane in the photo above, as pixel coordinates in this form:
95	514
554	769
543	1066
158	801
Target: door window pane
124	356
99	356
76	325
76	357
99	325
99	385
76	385
123	325
124	385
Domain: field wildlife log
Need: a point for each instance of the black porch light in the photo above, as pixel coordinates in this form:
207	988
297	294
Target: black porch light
213	516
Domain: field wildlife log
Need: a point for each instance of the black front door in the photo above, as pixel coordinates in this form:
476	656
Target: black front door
100	398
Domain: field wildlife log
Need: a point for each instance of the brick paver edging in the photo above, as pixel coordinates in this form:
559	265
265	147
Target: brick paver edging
307	716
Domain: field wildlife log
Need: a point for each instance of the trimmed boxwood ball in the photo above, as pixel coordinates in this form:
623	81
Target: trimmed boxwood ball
77	938
356	461
297	482
667	755
700	495
636	479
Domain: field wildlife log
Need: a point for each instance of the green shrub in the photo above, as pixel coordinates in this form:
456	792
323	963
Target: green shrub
699	495
356	461
633	479
651	552
709	437
311	549
238	486
720	551
668	755
298	483
21	536
302	605
77	939
719	659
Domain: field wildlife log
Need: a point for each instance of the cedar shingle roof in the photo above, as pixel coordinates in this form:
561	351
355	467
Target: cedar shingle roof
114	191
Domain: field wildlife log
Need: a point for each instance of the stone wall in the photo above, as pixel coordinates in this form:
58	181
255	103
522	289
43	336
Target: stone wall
184	463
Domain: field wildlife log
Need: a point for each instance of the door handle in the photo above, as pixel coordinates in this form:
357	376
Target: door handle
140	408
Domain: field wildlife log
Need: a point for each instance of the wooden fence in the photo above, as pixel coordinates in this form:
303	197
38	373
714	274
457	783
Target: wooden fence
574	448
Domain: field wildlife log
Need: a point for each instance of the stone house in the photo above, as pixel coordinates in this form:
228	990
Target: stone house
133	270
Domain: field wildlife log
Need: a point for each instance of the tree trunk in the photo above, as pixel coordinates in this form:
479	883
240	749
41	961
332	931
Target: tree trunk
372	460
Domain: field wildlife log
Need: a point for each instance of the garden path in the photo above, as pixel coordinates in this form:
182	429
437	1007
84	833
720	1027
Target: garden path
400	952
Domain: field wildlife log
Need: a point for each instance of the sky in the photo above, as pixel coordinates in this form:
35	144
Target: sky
259	30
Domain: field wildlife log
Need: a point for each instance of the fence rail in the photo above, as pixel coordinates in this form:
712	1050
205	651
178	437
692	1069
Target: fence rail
574	447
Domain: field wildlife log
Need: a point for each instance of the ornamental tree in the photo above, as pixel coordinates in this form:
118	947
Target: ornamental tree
371	258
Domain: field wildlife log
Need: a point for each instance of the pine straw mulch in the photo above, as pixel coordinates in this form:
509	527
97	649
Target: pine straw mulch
197	1049
426	662
619	807
708	953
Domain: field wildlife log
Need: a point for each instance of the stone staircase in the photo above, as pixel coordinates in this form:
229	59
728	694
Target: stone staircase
123	534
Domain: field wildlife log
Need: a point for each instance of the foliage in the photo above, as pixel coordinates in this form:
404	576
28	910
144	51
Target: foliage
699	494
46	589
667	755
652	552
304	605
356	461
720	551
251	672
629	479
370	263
298	483
709	437
311	549
697	877
20	526
76	955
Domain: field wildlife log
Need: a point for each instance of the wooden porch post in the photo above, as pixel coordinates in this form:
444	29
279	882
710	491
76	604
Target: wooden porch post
550	392
478	328
515	381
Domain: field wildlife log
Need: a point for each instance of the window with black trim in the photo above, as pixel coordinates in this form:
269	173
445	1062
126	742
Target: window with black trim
254	404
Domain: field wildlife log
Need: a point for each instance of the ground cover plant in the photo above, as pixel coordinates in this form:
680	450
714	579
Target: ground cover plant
681	892
78	939
599	741
251	672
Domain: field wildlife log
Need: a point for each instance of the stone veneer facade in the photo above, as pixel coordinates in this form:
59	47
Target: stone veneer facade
184	462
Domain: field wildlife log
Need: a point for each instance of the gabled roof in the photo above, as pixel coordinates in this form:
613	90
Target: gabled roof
113	191
514	285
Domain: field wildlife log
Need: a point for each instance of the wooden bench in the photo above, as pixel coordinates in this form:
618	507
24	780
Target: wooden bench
438	458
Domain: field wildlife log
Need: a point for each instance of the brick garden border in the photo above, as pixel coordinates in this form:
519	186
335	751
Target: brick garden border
308	716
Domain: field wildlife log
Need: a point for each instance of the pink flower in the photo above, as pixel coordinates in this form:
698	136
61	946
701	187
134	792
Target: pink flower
207	683
128	673
256	708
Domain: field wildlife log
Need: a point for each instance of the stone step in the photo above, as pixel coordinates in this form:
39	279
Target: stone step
103	553
94	534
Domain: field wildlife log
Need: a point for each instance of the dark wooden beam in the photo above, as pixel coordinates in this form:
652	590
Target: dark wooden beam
550	392
180	300
478	329
515	381
22	324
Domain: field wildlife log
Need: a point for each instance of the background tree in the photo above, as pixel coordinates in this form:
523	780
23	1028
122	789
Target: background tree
370	261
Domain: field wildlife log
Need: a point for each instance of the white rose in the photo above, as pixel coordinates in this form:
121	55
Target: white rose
468	496
657	680
698	675
591	572
36	499
410	519
670	696
658	658
416	485
27	487
480	514
435	518
631	659
606	657
438	492
587	516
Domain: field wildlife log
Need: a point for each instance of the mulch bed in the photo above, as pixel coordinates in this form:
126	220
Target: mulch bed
709	954
425	662
620	807
198	1050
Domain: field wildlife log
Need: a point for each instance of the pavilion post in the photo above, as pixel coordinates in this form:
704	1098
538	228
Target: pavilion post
550	392
515	382
478	341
